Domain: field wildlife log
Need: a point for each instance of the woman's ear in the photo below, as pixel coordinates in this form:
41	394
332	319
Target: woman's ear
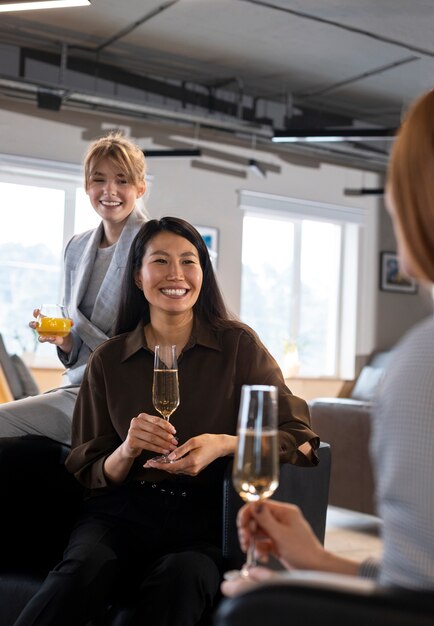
138	280
141	189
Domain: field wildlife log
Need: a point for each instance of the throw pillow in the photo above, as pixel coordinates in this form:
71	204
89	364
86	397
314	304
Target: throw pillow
367	383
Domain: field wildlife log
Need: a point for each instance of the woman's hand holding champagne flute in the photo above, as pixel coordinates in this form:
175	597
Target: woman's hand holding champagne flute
255	474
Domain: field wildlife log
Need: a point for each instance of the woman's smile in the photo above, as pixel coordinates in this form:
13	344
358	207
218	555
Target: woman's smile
174	293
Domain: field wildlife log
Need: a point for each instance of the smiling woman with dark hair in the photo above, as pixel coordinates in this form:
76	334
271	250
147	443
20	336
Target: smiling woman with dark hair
150	528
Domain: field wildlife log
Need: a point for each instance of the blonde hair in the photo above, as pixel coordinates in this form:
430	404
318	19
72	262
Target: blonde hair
411	181
125	154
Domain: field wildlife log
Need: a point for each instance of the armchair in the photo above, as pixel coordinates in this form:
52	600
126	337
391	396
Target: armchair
16	380
345	422
41	500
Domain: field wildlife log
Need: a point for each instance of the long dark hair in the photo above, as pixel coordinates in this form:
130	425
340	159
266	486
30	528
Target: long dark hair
209	307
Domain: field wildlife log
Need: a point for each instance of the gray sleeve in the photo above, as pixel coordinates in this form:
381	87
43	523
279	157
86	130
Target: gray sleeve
71	358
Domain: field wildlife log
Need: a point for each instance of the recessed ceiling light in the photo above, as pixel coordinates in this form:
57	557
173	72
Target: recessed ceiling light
33	5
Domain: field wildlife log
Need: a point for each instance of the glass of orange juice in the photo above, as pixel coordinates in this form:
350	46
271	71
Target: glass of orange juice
53	320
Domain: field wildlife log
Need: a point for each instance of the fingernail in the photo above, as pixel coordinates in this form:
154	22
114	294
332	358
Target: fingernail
172	456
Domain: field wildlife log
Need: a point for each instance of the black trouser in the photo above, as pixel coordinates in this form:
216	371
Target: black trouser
155	547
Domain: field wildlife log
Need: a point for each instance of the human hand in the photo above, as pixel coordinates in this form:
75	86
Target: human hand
32	324
149	432
236	584
193	455
64	343
280	529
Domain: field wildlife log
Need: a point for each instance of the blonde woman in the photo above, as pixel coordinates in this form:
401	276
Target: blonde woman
114	175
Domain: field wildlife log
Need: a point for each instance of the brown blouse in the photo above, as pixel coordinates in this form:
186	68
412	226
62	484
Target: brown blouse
213	366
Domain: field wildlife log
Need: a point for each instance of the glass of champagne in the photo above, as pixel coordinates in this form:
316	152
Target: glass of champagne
53	321
255	473
165	387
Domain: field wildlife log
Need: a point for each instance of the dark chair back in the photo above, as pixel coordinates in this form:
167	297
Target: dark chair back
307	487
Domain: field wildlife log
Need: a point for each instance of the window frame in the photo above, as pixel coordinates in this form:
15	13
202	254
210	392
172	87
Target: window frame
355	317
27	171
41	172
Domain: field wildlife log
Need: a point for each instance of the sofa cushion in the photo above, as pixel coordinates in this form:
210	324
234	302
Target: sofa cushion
367	383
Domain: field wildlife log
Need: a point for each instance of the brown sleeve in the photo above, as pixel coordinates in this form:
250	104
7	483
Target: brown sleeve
93	435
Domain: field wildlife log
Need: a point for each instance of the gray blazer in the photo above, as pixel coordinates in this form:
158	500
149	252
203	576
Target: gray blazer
79	258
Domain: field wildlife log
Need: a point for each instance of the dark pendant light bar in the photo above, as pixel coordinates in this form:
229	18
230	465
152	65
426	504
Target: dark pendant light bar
194	152
365	191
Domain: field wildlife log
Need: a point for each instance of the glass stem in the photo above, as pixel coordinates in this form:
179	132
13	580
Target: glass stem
250	558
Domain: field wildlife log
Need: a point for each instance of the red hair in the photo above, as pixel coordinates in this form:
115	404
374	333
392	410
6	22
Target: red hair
411	181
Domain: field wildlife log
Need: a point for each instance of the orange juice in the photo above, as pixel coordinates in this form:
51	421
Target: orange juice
58	326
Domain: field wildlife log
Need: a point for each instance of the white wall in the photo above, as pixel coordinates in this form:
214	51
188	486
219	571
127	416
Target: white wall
209	199
200	196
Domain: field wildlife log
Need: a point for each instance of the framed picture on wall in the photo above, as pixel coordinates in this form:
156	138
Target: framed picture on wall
210	235
391	279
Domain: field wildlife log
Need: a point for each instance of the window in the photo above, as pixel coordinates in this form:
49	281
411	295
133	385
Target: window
299	282
39	201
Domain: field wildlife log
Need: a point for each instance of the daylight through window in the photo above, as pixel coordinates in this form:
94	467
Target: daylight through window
294	283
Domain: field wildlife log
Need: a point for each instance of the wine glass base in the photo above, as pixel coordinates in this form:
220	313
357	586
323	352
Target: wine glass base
161	459
233	574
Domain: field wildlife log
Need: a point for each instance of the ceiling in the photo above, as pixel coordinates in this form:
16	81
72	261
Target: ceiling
244	68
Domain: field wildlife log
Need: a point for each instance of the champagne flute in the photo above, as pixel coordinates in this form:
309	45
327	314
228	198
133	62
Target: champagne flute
255	473
53	320
165	387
